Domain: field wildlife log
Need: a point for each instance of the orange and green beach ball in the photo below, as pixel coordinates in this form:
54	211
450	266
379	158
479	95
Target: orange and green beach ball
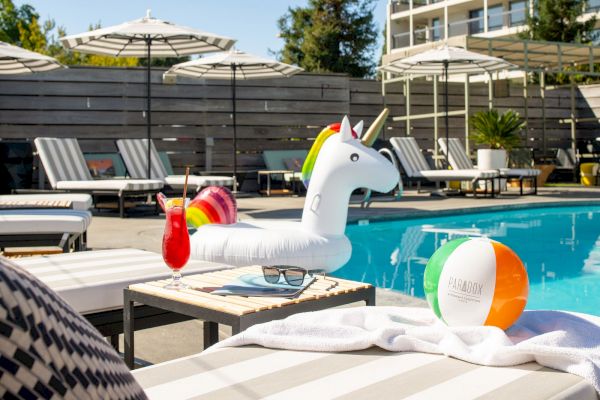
476	281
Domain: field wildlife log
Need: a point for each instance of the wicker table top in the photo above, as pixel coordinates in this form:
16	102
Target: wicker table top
238	305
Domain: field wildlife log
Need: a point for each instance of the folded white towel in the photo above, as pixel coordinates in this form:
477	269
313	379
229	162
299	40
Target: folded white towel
565	341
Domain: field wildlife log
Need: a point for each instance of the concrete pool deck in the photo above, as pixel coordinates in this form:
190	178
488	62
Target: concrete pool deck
169	342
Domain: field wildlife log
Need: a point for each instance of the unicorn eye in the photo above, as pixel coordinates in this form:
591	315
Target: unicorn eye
354	157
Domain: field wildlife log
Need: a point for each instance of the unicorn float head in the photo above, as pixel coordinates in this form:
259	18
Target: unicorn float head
339	162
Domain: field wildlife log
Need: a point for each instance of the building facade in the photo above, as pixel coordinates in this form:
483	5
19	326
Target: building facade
413	23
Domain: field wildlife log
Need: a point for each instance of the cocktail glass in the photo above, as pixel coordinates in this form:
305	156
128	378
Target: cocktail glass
176	242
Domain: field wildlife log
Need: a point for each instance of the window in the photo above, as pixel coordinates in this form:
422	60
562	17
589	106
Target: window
436	29
475	21
518	12
495	17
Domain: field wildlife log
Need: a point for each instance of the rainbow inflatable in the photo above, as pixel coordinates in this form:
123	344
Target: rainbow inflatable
476	282
311	158
213	205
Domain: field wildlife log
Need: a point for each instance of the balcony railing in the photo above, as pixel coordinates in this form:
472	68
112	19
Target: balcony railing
403	5
420	36
470	26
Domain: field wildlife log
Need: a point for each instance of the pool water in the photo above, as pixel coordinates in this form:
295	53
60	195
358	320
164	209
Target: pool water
559	246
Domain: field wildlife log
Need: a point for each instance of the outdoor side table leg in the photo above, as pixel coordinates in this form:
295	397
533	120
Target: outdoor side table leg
128	329
211	333
370	300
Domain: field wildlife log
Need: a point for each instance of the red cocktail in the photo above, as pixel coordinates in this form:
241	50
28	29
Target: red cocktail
176	242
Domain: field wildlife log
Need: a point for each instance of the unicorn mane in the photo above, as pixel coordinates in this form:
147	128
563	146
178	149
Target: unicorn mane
311	158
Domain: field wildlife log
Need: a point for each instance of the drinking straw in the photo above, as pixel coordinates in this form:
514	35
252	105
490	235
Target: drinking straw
187	173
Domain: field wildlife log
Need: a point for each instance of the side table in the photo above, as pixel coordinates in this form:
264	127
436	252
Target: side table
236	311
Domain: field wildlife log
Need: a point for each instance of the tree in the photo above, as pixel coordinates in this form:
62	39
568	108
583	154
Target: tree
19	26
330	36
559	21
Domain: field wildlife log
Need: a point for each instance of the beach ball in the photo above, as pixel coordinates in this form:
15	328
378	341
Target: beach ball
476	281
213	205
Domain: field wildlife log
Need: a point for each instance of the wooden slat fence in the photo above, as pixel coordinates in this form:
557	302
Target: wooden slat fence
99	105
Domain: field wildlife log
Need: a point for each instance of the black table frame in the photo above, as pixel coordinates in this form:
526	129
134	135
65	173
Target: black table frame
213	318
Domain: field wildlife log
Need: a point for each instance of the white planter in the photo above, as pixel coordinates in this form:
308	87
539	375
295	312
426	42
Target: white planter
493	159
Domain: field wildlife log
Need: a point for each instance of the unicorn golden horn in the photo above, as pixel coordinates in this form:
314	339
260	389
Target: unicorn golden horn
375	129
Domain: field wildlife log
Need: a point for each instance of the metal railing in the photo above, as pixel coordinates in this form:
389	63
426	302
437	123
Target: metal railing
469	26
403	5
420	36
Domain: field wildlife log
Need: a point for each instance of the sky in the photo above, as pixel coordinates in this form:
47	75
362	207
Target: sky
252	22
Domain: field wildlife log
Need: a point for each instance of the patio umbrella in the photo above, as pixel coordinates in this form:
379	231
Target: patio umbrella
16	60
444	61
146	38
234	65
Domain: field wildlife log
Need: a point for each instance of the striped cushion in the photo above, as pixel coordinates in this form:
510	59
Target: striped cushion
519	172
457	156
410	156
94	280
112	185
42	221
256	372
135	156
62	160
47	350
198	182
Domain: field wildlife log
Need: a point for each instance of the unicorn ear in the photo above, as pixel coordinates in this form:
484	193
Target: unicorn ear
346	130
358	128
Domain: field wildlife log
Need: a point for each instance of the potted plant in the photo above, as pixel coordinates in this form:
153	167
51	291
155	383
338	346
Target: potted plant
499	132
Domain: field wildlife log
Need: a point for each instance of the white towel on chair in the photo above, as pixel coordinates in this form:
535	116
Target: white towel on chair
565	341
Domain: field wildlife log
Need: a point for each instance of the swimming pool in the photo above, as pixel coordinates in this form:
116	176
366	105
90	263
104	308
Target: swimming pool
560	247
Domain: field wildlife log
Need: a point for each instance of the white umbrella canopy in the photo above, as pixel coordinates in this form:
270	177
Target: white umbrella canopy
131	39
16	60
445	61
246	66
146	38
234	65
453	60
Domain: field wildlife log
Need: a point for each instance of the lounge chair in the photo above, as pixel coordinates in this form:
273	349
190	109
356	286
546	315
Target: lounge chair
565	160
417	169
286	160
458	159
92	282
43	368
64	228
135	155
66	170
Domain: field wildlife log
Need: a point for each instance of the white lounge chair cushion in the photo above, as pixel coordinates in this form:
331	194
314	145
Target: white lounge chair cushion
177	181
120	185
79	201
39	221
519	172
269	242
93	281
373	373
461	174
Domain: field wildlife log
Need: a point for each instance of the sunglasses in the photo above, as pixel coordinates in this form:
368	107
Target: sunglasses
294	276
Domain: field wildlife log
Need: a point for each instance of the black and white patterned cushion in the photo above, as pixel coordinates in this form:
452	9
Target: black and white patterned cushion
47	350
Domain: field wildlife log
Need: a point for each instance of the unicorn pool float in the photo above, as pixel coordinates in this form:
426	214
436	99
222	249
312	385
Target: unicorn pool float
339	162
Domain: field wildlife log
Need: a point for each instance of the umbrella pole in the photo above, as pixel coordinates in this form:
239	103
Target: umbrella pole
446	105
148	108
233	68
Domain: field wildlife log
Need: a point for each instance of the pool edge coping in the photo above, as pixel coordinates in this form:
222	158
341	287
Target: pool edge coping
421	213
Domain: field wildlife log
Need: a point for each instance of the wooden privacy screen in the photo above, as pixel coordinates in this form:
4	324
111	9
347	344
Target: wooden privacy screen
99	105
